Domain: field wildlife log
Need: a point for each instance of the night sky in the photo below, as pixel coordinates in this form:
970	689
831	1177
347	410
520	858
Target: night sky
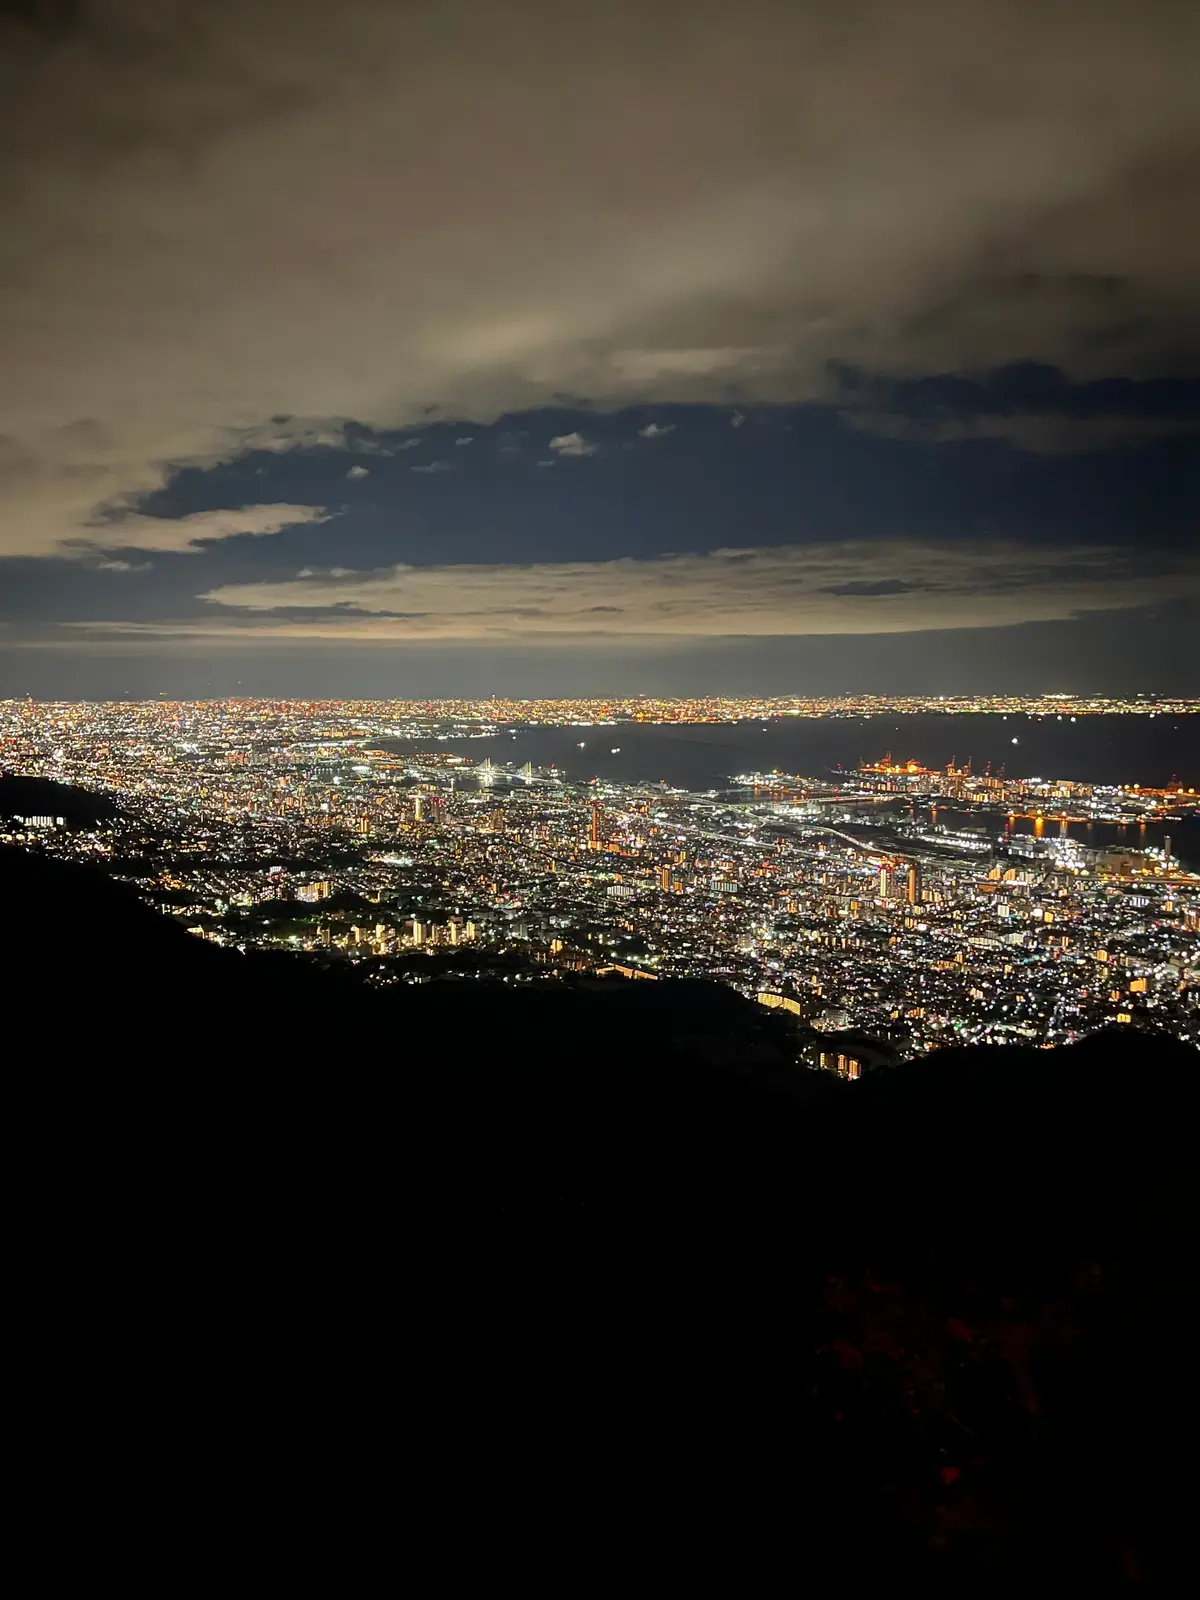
367	348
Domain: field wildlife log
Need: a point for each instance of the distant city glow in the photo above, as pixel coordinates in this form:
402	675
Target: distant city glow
897	905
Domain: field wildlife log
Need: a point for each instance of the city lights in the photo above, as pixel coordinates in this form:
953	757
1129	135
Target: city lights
896	905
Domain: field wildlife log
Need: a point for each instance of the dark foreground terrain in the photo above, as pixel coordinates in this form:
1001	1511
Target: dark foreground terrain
592	1284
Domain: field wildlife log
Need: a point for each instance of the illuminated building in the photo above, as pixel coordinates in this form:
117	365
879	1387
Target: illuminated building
846	1066
778	1002
914	883
594	832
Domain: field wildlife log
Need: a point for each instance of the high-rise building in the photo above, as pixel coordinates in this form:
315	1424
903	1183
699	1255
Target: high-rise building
418	808
886	883
594	832
914	883
664	879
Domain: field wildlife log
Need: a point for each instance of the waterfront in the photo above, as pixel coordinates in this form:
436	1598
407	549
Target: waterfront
996	825
1118	749
269	826
1184	835
1110	749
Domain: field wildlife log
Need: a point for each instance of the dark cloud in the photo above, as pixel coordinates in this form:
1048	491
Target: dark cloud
1034	405
810	589
809	515
868	586
913	289
245	222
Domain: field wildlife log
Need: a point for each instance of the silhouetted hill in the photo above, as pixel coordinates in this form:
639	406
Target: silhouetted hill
72	928
605	1258
41	797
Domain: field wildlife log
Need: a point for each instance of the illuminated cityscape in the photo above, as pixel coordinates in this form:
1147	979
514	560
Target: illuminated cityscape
600	787
889	908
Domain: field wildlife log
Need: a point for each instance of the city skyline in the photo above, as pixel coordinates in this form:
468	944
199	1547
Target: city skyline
563	709
370	353
887	906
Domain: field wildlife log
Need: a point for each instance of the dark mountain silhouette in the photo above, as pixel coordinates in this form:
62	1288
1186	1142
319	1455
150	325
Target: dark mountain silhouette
42	797
599	1270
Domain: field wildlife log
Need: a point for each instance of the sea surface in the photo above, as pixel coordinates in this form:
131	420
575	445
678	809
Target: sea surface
1152	751
1133	749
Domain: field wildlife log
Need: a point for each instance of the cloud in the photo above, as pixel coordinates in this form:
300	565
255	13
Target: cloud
468	438
737	419
675	207
1047	434
189	535
433	466
872	586
1032	406
573	444
650	366
281	435
285	435
358	472
656	430
811	589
